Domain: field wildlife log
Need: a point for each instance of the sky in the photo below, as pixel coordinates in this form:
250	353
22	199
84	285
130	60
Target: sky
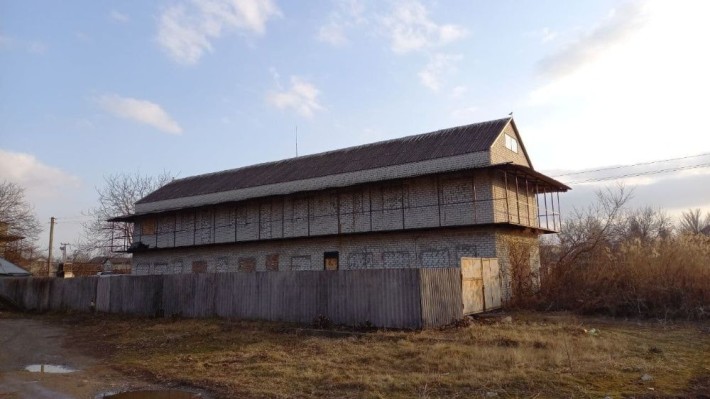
89	89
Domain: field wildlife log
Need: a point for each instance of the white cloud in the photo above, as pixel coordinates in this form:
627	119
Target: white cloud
410	29
332	33
30	46
141	111
302	97
39	180
638	99
439	65
119	16
617	26
186	30
459	91
347	14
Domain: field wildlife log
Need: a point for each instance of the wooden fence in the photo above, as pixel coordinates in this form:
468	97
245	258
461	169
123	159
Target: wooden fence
395	298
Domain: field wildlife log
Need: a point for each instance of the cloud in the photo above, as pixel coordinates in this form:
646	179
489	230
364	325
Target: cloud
119	16
347	14
186	30
410	29
30	46
332	33
141	111
39	180
617	26
302	97
439	65
637	100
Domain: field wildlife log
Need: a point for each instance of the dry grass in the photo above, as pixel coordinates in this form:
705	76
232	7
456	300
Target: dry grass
535	356
661	278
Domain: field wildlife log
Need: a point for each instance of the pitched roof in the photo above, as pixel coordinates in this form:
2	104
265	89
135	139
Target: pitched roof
10	269
439	144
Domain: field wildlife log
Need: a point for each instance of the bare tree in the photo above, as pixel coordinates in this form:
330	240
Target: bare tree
16	213
585	230
692	221
117	197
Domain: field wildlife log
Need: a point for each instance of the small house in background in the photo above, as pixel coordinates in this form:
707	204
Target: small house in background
423	201
118	265
97	264
9	269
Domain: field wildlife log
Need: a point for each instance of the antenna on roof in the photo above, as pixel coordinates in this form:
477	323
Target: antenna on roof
296	140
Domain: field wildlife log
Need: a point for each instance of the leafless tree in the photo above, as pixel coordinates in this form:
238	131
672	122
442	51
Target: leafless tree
17	213
692	221
645	224
117	197
586	229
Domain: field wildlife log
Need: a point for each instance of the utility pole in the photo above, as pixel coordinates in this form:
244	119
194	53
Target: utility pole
63	248
51	239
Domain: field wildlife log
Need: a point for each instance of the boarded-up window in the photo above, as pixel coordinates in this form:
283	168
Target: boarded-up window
247	264
199	266
396	259
160	268
301	262
360	260
272	262
148	226
222	265
435	258
177	267
142	269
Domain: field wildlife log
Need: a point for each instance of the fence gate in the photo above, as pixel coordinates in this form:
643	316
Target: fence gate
480	285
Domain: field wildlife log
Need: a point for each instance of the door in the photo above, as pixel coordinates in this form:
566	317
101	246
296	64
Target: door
480	285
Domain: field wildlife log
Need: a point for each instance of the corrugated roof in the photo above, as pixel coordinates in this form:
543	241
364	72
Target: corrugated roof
439	144
10	269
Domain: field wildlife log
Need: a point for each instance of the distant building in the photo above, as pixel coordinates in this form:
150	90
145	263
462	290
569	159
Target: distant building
9	269
415	202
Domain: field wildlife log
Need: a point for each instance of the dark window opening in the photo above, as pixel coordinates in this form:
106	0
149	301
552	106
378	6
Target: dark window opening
330	260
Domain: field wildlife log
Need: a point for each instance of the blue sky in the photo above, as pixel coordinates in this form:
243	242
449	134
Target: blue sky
192	86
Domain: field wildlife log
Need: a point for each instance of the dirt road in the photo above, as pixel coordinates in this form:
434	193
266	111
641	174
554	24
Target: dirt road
25	342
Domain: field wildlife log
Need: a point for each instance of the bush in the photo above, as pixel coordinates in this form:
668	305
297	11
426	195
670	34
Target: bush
612	262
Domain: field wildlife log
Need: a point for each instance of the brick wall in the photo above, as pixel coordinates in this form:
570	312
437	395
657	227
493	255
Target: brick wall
434	248
454	199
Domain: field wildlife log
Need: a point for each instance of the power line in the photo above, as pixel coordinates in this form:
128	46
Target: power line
651	172
632	165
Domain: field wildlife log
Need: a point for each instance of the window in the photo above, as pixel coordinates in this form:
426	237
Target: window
148	226
330	260
511	143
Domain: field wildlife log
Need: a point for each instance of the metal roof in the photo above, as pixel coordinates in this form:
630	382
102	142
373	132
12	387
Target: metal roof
8	268
439	144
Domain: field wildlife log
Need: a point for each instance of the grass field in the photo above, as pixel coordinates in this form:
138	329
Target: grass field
535	355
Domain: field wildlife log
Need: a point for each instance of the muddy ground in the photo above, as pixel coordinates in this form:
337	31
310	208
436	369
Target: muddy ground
26	342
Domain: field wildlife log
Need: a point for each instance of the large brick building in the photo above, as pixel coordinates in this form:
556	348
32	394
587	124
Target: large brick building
419	201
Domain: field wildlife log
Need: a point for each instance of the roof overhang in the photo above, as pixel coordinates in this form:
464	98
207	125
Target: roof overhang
530	174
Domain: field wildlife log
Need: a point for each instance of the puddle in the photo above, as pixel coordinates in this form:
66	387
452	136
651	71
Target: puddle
158	394
49	368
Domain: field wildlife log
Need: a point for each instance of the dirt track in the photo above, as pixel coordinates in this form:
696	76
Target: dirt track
29	341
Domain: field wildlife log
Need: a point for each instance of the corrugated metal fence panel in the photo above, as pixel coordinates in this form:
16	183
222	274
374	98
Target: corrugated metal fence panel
440	296
205	287
56	292
78	293
103	295
396	298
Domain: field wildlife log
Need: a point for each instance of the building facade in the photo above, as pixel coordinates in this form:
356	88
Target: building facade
420	201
